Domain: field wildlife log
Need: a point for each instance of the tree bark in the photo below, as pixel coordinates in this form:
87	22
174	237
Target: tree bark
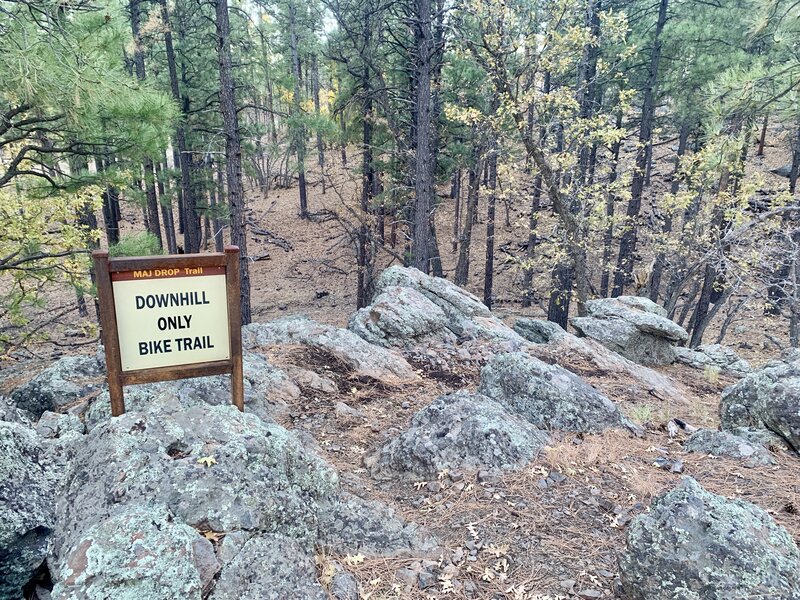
488	273
233	152
320	147
187	211
462	265
623	275
421	239
654	284
149	175
300	131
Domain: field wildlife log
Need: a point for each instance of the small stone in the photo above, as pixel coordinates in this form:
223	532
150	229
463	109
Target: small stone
427	580
567	584
407	576
677	466
344	587
590	594
406	405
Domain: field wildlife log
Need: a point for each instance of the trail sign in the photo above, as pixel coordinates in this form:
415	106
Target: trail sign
170	317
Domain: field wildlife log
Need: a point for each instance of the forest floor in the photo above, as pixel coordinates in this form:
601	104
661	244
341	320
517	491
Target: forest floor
551	530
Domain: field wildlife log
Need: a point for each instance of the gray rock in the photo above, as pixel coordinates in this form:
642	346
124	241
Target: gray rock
766	399
261	477
401	317
351	524
585	355
767	439
27	497
138	553
267	390
539	331
695	545
458	431
10	413
270	567
634	327
722	443
547	396
461	313
54	425
65	381
364	359
784	171
344	587
715	356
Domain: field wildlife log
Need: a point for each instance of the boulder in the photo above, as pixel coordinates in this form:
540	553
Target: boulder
695	545
462	314
216	470
27	498
585	356
354	525
267	390
715	356
67	380
401	317
270	567
548	396
723	443
140	552
539	331
362	358
211	466
766	399
458	431
632	326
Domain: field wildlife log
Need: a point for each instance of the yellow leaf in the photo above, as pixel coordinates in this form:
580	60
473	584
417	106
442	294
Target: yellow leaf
207	461
354	559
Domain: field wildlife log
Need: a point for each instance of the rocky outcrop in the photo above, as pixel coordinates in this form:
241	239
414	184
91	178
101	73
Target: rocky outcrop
27	497
547	396
587	356
210	469
364	359
411	307
267	390
458	431
140	552
634	327
723	443
270	567
767	399
695	545
66	381
401	317
714	356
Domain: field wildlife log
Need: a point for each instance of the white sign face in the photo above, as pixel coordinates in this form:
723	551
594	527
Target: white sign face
170	317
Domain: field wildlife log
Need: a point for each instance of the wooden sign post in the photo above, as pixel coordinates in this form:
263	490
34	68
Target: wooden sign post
170	317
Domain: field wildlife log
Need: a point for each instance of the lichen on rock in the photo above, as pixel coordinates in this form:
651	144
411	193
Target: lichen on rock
695	544
458	431
547	396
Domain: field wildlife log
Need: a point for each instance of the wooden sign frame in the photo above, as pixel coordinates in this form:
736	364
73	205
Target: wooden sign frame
117	378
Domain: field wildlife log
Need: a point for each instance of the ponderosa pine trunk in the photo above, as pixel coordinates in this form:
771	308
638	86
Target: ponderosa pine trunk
320	147
488	273
149	174
462	265
654	285
623	274
233	152
364	259
300	130
187	209
421	241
